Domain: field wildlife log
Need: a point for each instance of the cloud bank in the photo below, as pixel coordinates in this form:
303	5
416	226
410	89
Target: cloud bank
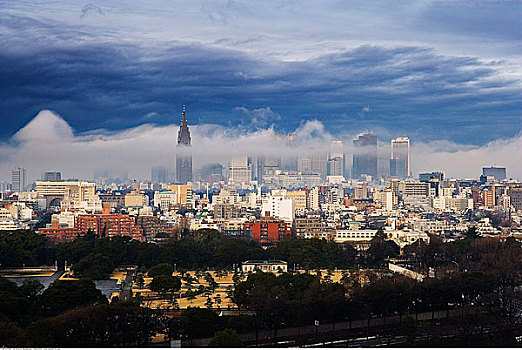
430	70
49	143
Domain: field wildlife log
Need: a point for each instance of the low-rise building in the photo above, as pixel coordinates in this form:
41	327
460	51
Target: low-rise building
264	265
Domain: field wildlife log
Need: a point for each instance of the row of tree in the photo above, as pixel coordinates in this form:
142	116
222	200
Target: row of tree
94	257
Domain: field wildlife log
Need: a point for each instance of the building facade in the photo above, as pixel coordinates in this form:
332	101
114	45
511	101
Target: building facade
183	153
400	157
365	156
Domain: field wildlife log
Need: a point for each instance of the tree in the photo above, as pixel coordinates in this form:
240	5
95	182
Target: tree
64	295
94	266
190	295
22	247
209	303
165	286
199	323
217	300
140	281
380	249
160	269
14	305
227	338
114	325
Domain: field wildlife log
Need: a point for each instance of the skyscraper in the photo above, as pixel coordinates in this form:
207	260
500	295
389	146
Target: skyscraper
336	159
400	157
499	173
183	153
53	176
159	174
240	169
365	155
19	179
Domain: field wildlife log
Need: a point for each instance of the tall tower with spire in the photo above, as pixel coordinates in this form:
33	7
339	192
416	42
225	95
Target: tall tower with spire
183	153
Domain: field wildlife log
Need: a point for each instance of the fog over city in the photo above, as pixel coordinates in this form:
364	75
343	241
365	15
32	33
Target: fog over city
48	142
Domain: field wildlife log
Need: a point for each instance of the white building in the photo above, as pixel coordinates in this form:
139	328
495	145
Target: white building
264	265
165	199
71	194
6	220
277	205
384	199
240	171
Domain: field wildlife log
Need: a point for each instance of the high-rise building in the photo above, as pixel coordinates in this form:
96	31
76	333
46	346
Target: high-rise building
336	159
159	174
53	176
240	170
497	172
19	179
183	153
267	164
400	157
319	164
365	155
434	175
211	172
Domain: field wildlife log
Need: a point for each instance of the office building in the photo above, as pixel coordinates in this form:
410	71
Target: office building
240	170
365	156
497	172
211	172
70	194
53	176
19	179
278	205
183	193
400	157
434	175
267	230
183	153
159	174
267	165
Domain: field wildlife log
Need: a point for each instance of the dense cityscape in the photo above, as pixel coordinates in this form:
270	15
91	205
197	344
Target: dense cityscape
167	249
270	174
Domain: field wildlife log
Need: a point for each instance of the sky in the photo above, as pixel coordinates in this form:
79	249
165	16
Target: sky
447	74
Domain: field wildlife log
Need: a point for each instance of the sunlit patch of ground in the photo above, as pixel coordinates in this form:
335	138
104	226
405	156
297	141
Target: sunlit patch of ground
201	299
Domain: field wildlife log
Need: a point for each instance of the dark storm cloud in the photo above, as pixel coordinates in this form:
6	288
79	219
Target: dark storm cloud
97	84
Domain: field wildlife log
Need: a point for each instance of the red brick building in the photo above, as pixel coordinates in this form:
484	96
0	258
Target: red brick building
267	230
104	225
56	234
109	225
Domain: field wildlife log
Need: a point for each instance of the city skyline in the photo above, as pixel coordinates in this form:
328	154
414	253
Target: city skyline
278	173
62	147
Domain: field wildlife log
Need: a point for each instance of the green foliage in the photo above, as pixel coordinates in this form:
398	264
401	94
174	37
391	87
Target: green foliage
388	295
313	253
140	281
94	266
381	249
22	247
199	323
15	305
165	285
11	335
234	251
289	298
64	295
160	269
207	235
471	232
95	326
227	338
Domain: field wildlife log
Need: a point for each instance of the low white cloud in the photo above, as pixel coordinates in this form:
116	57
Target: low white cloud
460	161
49	143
